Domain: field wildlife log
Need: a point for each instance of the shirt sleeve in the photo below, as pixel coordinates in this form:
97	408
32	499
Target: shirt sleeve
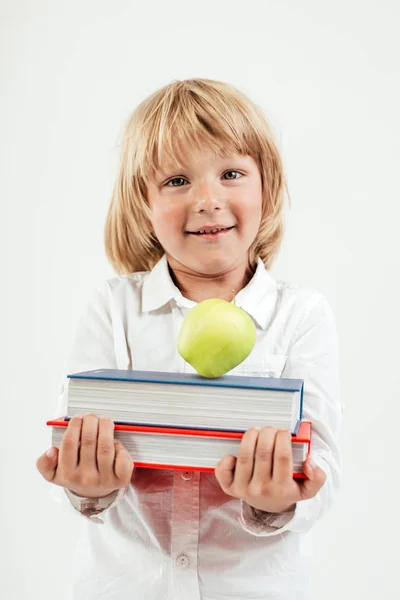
92	348
314	357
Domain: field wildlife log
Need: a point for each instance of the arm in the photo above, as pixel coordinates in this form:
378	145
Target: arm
313	356
93	348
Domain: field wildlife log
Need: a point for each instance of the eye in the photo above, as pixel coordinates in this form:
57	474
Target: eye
236	175
176	182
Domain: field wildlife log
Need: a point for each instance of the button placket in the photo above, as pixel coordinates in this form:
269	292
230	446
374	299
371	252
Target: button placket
185	534
177	320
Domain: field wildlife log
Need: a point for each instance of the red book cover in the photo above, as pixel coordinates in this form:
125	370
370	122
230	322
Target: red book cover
303	436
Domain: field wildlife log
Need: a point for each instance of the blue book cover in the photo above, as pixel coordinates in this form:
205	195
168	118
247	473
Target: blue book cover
225	381
238	381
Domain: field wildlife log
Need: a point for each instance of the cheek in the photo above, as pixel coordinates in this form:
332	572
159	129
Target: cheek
256	204
166	218
249	212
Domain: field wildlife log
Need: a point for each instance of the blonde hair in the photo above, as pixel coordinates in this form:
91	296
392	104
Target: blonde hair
197	113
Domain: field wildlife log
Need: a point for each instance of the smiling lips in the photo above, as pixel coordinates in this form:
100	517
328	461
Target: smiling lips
211	230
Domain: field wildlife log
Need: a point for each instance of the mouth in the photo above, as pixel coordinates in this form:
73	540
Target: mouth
211	232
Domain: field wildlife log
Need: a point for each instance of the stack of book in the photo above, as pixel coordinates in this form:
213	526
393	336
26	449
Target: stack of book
185	421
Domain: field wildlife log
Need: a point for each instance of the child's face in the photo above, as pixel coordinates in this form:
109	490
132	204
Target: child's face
209	192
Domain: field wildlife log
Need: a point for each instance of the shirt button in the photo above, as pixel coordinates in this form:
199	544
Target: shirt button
96	519
182	561
187	475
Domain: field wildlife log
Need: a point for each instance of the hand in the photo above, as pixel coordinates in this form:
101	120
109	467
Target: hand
262	474
90	462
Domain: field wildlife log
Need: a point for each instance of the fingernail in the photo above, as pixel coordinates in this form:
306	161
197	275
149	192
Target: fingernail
51	453
257	428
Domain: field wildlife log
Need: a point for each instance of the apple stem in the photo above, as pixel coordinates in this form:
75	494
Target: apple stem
234	298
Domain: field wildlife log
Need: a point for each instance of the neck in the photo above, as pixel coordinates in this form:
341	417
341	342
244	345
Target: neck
198	286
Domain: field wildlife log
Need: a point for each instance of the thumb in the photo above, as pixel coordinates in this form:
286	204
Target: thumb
123	466
316	479
47	463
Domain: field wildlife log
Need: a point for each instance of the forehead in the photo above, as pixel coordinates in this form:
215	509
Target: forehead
186	156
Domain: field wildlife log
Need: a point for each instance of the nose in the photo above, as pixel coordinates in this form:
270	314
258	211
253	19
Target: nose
208	198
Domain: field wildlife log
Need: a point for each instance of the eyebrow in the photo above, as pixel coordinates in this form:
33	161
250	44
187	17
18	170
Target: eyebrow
171	168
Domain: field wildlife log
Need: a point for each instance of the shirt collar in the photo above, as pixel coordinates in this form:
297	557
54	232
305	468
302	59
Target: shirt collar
258	298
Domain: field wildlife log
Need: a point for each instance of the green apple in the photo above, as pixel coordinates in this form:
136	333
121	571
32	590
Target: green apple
215	337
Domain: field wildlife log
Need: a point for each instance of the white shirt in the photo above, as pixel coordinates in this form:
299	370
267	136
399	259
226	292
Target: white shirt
178	536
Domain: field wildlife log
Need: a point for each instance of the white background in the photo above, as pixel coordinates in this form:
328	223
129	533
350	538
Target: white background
327	76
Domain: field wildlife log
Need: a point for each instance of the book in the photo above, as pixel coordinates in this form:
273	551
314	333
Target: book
187	449
155	398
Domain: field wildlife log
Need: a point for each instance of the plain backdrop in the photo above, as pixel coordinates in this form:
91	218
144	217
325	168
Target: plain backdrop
327	76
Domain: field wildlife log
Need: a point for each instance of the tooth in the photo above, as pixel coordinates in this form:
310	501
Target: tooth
211	230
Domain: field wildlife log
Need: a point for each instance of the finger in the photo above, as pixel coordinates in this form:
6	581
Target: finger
69	448
105	446
245	459
123	466
88	450
47	464
225	471
282	470
316	479
264	454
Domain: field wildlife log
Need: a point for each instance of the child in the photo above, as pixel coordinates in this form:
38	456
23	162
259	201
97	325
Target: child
197	213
